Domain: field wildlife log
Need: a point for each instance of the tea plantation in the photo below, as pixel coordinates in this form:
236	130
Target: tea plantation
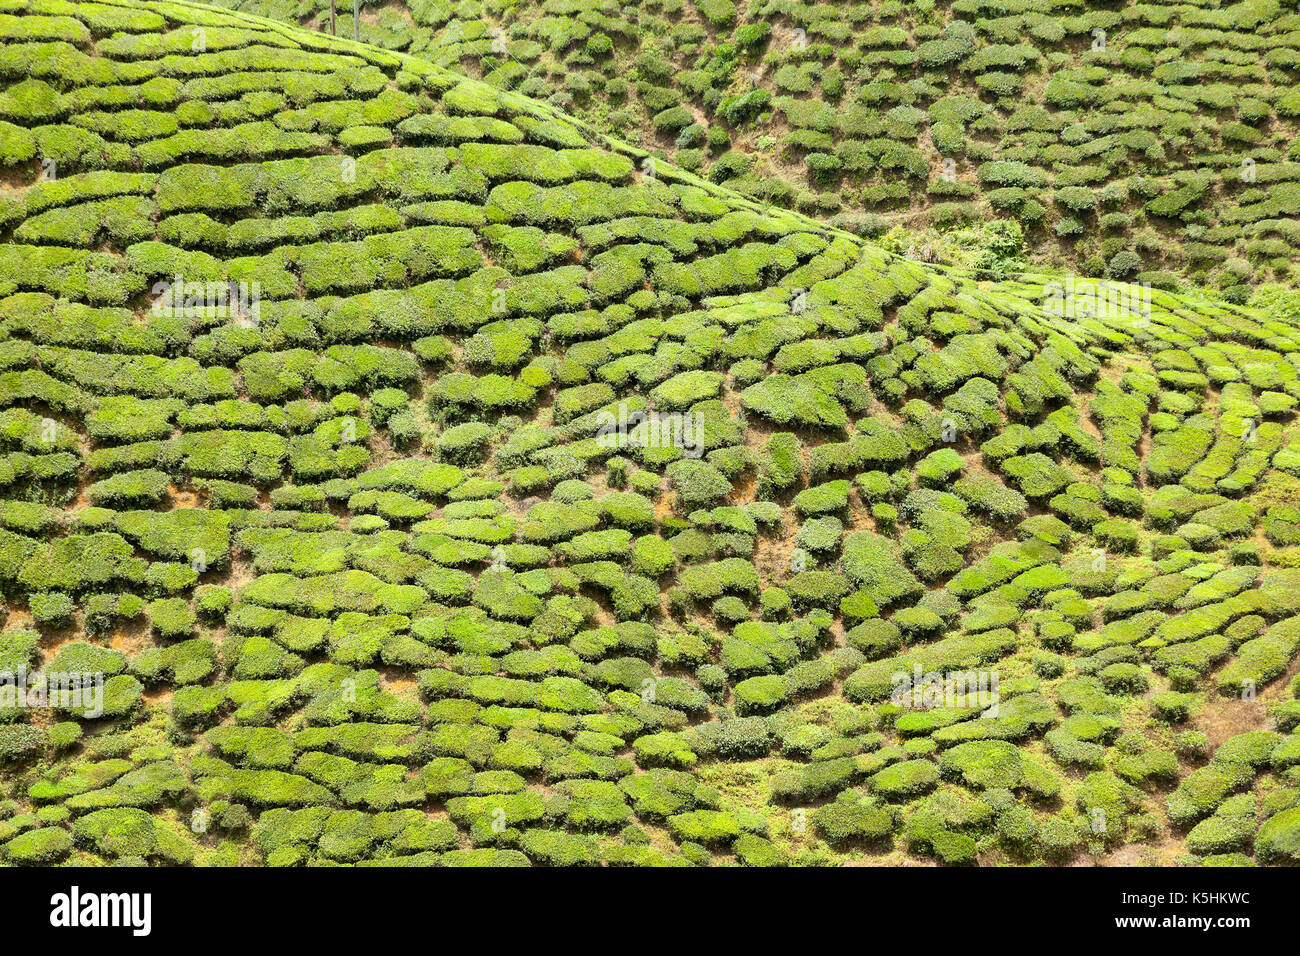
405	472
1129	138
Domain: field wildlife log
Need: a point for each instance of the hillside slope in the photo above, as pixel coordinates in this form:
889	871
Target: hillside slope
1128	138
432	481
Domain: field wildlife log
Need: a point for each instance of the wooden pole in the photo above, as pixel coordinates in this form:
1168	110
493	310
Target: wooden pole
356	20
333	32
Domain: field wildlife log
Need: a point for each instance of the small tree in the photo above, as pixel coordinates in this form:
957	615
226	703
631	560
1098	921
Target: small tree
1123	264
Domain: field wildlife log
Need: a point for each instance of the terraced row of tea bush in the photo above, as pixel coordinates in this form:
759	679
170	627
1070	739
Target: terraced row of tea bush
428	484
1128	138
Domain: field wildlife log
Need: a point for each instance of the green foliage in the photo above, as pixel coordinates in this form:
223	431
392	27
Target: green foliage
400	556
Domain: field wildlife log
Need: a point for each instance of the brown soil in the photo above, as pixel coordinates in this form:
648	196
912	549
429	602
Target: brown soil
182	499
131	638
1224	717
742	490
